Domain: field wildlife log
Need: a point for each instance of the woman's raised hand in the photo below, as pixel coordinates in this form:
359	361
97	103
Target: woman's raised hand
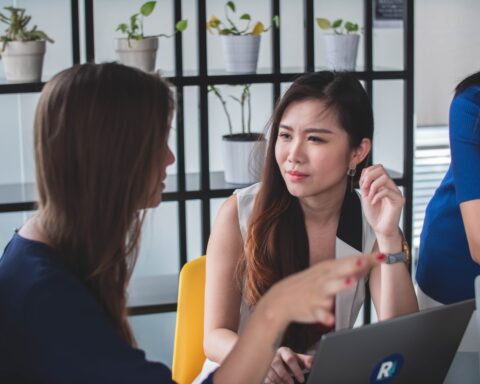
382	201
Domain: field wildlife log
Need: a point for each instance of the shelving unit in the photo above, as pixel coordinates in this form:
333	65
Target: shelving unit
207	185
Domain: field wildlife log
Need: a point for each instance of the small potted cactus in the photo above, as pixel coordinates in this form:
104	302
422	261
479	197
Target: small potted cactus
22	49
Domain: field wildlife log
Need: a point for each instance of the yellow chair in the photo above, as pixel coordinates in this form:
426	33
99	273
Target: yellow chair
188	355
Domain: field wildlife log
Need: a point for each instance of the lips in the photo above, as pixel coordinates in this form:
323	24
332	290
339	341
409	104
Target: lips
296	175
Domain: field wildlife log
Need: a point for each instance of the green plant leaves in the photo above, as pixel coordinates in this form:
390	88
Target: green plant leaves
147	8
245	16
276	21
17	27
323	23
337	23
338	26
231	5
181	25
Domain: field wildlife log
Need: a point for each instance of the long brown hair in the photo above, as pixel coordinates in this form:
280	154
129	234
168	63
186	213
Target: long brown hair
101	133
277	241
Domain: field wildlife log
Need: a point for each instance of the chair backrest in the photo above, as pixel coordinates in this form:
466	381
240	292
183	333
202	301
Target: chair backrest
188	355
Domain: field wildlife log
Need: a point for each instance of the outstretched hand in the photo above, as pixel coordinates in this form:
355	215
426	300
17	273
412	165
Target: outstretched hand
308	296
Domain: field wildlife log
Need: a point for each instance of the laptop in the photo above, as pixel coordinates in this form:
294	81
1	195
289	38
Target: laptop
416	348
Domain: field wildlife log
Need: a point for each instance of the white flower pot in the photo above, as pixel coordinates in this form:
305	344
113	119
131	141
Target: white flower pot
341	51
140	54
23	61
243	159
240	53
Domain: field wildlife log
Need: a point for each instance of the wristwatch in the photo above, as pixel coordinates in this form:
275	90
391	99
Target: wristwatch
403	255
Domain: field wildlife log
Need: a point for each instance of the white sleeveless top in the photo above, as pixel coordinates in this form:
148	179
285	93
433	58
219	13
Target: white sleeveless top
347	303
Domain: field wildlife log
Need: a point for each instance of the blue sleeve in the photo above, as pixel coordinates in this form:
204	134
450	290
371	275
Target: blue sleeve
71	340
465	144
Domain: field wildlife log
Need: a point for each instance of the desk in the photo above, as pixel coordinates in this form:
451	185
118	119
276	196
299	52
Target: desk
152	294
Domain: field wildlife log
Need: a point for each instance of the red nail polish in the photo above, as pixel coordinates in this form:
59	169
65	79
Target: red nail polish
348	280
381	257
359	262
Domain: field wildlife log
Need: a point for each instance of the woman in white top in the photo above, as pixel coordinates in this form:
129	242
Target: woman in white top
306	211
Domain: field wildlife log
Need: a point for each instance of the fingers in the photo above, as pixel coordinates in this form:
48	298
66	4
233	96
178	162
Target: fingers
280	372
352	266
291	361
305	360
376	178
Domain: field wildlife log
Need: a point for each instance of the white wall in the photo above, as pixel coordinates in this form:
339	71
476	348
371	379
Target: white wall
447	50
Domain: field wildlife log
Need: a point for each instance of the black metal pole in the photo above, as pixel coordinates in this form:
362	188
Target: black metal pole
75	32
203	102
89	32
276	65
309	36
409	105
180	118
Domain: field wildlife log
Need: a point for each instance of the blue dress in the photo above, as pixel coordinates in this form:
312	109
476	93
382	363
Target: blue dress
446	271
53	330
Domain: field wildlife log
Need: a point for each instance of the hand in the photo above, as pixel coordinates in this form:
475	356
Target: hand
308	296
382	201
287	363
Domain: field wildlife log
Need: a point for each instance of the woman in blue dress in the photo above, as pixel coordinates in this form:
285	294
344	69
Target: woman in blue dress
449	255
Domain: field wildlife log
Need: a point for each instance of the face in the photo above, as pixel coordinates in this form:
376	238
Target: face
312	150
159	185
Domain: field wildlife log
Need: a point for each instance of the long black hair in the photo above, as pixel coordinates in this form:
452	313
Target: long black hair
473	79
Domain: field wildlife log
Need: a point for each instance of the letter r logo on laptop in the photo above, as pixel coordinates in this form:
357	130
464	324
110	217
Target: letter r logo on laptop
386	369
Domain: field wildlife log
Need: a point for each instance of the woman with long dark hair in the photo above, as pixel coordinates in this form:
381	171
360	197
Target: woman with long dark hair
101	154
306	212
449	255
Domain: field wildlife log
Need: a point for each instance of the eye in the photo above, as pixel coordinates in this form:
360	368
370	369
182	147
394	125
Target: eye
316	139
284	135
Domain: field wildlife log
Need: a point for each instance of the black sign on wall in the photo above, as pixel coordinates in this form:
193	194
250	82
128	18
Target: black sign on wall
388	13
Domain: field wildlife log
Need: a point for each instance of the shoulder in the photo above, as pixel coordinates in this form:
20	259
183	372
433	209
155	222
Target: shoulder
464	113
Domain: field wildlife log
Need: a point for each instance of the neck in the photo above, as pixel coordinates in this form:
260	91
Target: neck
325	207
33	229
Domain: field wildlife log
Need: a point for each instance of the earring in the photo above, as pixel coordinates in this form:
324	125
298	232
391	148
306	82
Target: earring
351	174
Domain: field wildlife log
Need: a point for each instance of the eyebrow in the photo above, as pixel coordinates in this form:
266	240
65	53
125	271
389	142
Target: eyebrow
308	130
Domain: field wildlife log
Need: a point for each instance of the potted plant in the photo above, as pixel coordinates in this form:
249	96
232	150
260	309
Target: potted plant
22	49
243	153
341	45
240	45
136	49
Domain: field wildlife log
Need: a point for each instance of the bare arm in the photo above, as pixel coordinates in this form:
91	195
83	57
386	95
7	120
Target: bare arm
390	285
222	296
471	221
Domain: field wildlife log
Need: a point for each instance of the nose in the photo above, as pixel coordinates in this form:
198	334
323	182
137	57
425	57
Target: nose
170	158
295	153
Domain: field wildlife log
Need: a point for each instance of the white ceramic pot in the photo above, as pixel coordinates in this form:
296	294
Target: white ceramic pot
23	61
140	54
243	159
341	51
240	53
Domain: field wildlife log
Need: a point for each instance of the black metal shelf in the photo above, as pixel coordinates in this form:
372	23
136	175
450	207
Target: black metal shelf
22	196
224	78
